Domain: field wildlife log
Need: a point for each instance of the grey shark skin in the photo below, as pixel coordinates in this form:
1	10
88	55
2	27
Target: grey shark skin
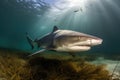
65	41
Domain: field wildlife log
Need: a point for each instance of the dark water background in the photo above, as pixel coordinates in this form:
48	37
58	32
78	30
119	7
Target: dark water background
37	17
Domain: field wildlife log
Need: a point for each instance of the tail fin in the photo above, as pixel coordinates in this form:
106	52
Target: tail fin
31	42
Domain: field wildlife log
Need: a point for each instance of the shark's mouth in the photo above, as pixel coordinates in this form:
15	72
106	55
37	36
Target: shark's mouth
79	48
84	46
81	44
75	48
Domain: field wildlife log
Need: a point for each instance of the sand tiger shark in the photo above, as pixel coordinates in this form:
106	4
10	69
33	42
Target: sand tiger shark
64	41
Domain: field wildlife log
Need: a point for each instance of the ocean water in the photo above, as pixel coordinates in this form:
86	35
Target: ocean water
96	17
100	18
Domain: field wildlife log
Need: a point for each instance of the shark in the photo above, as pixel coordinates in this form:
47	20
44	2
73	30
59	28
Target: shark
64	41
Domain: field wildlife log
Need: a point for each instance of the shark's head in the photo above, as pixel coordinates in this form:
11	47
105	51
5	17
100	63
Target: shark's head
87	41
77	43
72	41
92	41
84	43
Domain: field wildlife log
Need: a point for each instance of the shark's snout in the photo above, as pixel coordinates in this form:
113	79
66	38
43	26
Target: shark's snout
96	41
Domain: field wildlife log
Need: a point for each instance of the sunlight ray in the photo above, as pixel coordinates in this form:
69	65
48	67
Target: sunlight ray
115	7
103	9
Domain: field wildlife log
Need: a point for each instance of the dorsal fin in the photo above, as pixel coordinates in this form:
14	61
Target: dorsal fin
55	28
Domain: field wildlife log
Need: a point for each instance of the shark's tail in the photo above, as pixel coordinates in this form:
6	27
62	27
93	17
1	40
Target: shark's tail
31	42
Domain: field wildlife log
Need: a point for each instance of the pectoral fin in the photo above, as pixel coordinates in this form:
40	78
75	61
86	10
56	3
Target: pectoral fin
40	51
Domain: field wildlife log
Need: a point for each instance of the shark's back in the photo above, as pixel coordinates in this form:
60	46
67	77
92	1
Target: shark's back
70	33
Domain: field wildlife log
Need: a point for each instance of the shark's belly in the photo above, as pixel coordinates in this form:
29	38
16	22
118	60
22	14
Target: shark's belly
72	48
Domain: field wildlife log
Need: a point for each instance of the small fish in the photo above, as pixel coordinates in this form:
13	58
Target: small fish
76	10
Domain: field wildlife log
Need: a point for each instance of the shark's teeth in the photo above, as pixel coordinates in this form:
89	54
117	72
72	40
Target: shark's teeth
73	48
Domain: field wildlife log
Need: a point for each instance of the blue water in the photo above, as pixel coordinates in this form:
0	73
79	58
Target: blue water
96	17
